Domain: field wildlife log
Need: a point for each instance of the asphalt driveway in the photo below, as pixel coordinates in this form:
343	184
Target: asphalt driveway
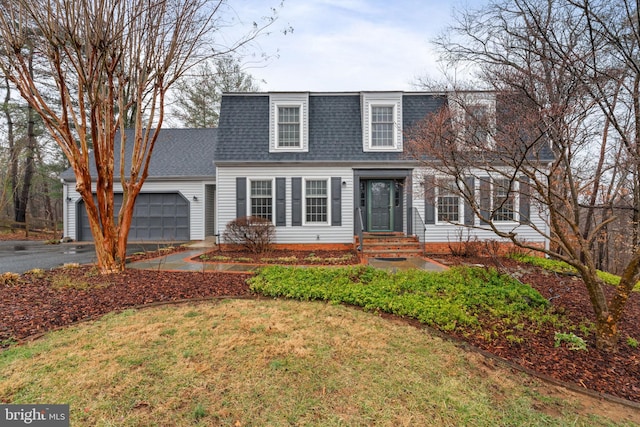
21	256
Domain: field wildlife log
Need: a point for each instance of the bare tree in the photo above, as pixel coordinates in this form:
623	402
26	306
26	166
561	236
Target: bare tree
566	74
22	144
112	62
198	94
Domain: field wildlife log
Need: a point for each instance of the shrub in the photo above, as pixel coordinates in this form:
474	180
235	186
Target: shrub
465	247
9	279
573	341
252	232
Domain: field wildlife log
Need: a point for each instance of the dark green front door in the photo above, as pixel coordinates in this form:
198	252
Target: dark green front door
380	205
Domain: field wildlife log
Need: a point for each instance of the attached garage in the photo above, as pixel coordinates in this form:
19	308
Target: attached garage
156	217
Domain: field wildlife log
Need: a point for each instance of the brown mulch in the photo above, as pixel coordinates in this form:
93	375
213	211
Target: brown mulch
616	374
36	305
283	256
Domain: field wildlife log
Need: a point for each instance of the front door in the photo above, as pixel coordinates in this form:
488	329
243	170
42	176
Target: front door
380	206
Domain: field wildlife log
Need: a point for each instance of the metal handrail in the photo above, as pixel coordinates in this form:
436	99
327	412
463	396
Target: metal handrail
359	227
419	227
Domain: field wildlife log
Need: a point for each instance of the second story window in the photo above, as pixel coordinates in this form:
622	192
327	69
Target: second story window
382	126
262	199
381	121
474	116
289	127
477	124
289	122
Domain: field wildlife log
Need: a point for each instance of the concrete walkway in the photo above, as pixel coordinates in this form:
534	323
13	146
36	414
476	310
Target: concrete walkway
181	261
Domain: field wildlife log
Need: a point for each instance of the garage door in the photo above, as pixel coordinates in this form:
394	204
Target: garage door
156	217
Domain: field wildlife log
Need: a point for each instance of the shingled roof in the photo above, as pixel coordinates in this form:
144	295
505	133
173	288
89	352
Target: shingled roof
178	153
335	128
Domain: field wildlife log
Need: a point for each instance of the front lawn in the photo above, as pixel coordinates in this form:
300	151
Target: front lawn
277	363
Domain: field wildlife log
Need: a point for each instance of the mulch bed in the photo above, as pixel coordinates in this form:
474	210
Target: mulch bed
282	256
36	305
615	374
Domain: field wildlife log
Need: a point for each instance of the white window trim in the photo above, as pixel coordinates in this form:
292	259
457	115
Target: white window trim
277	146
391	99
277	100
394	145
304	202
460	102
460	207
515	192
273	196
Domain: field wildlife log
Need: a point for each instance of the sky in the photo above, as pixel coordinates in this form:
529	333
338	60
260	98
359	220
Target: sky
349	45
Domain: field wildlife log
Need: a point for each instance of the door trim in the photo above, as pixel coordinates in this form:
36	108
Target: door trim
405	175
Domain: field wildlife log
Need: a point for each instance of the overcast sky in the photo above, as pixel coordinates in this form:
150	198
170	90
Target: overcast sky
350	45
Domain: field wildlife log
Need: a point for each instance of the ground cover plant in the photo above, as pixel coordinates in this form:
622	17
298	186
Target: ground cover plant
277	363
562	267
460	298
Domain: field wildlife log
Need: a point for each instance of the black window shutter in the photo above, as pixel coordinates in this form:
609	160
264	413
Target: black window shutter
296	201
336	201
241	197
469	183
485	197
430	199
525	200
281	201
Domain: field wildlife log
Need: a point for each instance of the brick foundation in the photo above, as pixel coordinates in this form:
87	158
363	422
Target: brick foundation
477	248
296	246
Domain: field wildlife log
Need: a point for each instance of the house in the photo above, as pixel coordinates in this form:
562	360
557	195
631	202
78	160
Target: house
326	168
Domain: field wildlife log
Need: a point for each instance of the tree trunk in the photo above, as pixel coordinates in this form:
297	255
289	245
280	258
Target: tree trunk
49	213
21	197
29	169
108	258
607	333
13	149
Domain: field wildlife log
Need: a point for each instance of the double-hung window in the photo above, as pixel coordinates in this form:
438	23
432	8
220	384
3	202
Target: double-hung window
381	121
503	200
289	122
316	201
289	127
261	195
477	125
448	202
382	126
474	115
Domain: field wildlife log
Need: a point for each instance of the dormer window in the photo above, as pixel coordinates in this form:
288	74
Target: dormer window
382	121
288	127
288	122
477	124
382	126
474	114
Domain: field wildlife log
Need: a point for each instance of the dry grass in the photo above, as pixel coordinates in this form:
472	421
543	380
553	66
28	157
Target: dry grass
255	363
